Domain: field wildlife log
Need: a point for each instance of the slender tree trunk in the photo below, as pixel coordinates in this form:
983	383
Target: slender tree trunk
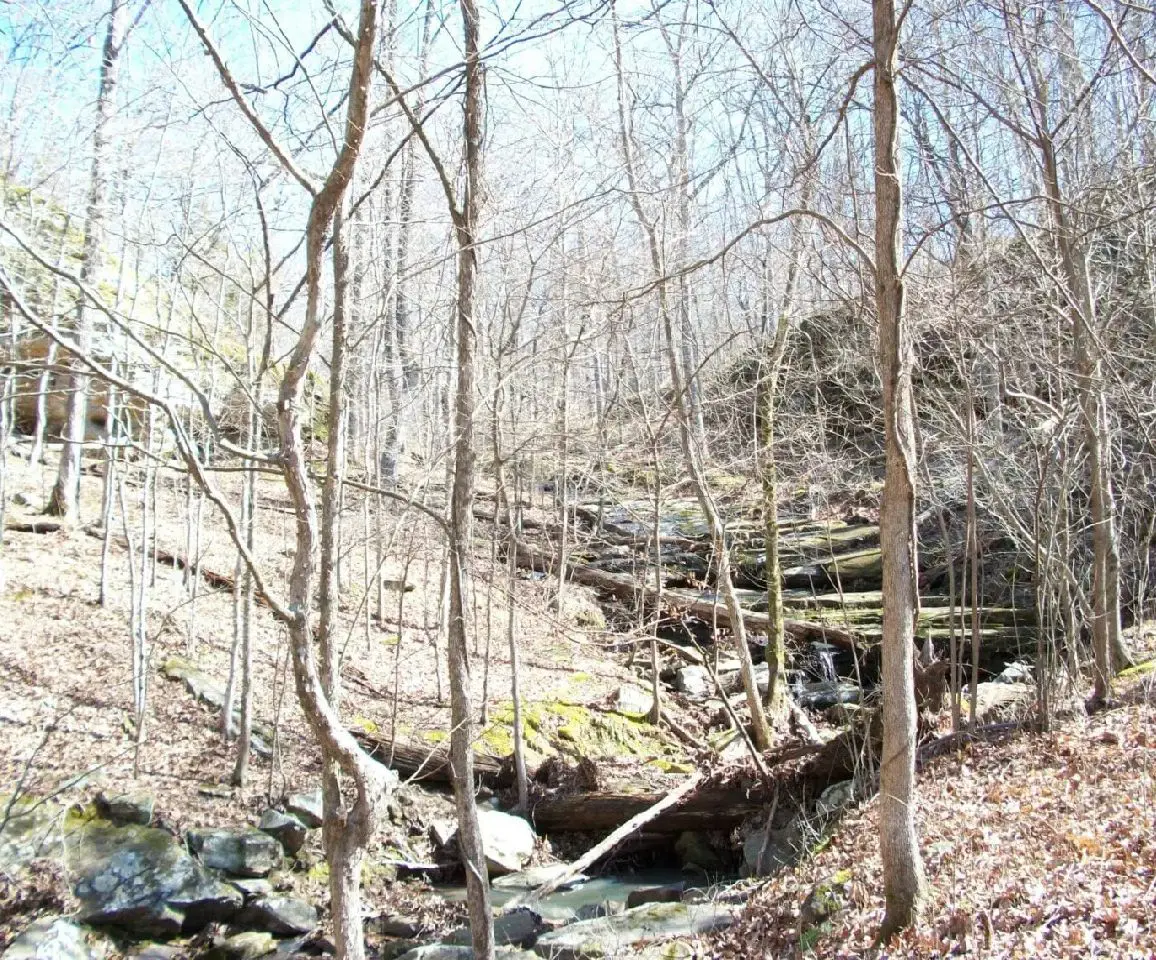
64	501
1108	649
461	502
903	878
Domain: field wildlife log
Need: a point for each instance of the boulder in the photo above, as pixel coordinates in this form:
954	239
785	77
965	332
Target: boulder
616	936
693	680
127	808
519	927
824	902
54	938
508	841
253	887
836	797
671	893
405	928
765	853
695	852
632	701
248	945
533	877
284	915
243	852
306	807
141	879
285	828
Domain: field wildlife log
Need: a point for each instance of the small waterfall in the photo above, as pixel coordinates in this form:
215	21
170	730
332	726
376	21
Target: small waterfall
827	665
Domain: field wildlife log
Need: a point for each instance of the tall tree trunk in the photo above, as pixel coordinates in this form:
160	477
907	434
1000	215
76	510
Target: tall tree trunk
65	498
348	827
461	503
903	879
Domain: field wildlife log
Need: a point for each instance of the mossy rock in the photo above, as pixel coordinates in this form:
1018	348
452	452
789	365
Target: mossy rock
1139	670
552	727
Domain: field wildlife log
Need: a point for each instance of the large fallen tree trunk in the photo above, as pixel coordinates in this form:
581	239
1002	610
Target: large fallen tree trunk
710	807
428	762
628	589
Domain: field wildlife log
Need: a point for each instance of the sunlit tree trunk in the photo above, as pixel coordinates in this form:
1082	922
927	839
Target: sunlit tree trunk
903	878
65	498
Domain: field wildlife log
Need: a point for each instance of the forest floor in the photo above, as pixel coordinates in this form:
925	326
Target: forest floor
66	701
1036	844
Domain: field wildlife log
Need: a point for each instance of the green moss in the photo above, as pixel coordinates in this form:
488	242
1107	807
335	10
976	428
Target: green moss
1139	670
561	726
435	736
365	725
319	872
78	816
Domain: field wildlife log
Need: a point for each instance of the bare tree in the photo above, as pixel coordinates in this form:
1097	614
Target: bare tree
65	499
903	878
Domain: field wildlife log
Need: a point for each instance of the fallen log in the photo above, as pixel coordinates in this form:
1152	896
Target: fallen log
709	807
415	761
14	525
178	561
628	589
599	850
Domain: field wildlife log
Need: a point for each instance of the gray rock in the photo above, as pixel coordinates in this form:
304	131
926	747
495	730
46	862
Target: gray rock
243	852
823	694
33	830
695	852
248	945
253	887
407	928
53	938
140	879
615	936
632	701
518	927
824	902
446	951
306	807
284	915
127	808
286	828
766	853
442	833
533	877
671	893
693	680
836	797
394	949
1016	673
508	841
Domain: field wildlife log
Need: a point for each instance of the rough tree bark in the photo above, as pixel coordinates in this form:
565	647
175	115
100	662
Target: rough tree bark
903	878
465	220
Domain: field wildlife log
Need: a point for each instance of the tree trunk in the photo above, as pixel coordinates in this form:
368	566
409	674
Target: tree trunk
64	500
903	878
461	504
